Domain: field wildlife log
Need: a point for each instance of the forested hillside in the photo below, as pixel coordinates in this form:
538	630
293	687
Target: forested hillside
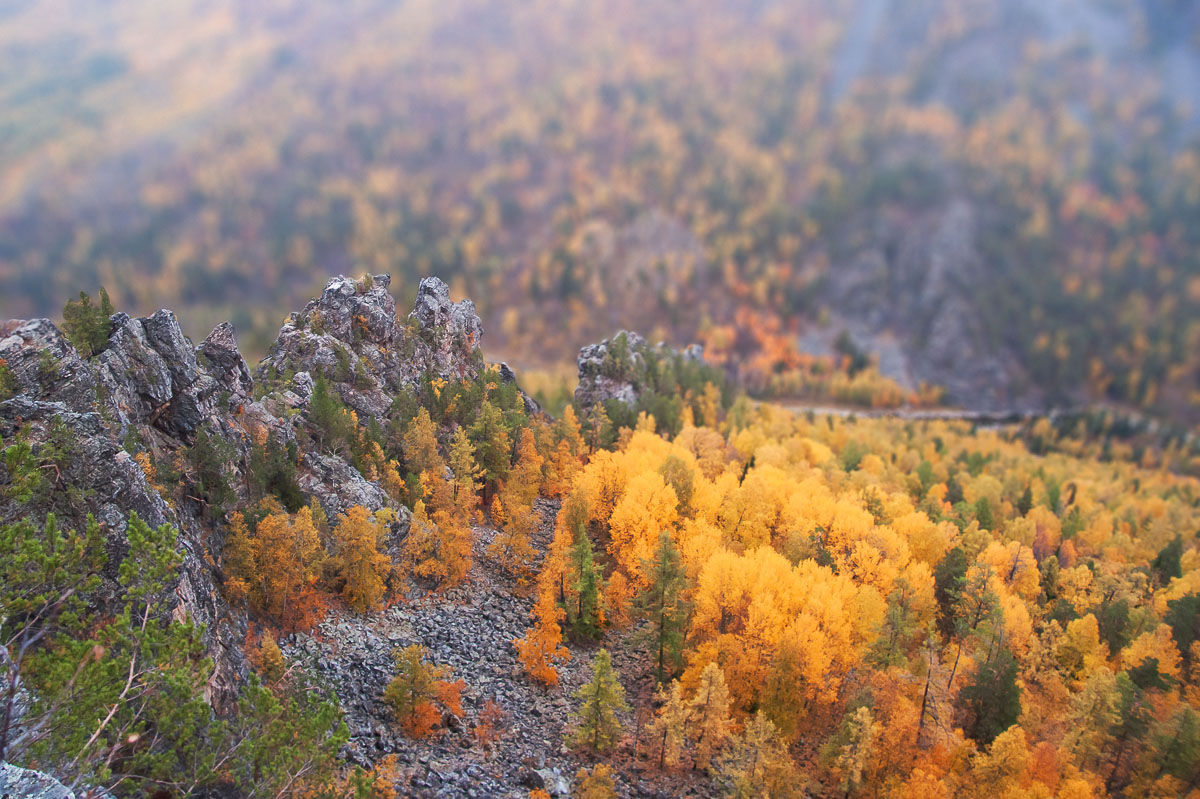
997	198
375	567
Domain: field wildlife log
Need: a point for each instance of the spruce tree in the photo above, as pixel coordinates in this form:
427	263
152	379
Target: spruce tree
596	723
210	456
662	605
1025	503
584	613
327	414
949	577
8	383
493	447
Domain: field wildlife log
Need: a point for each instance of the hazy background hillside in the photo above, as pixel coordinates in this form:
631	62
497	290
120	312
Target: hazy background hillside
998	197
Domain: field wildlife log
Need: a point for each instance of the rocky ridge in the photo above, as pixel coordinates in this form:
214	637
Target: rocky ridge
149	389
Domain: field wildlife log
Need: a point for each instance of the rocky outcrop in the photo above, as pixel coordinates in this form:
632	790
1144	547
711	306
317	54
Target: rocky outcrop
148	384
619	368
351	336
149	389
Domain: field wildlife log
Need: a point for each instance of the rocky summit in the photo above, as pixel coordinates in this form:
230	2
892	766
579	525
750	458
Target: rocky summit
149	384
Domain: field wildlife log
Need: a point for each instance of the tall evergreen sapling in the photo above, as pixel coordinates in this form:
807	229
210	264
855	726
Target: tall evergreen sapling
662	605
596	724
87	326
584	611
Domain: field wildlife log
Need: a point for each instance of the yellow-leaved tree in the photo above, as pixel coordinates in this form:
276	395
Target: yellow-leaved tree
359	536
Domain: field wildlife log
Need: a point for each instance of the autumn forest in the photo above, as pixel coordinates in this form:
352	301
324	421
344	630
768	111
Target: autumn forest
792	399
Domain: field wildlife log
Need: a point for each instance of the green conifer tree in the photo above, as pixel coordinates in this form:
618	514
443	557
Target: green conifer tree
87	326
992	699
596	724
662	605
583	615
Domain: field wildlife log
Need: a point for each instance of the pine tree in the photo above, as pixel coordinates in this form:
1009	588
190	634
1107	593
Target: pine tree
88	326
709	714
596	724
328	415
662	605
100	683
949	577
273	472
1177	747
983	514
210	456
8	383
1025	503
1183	617
1166	563
954	492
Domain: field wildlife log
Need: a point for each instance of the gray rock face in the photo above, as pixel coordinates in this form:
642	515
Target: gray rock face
146	381
350	335
600	379
451	331
913	293
616	369
23	783
44	364
338	486
151	375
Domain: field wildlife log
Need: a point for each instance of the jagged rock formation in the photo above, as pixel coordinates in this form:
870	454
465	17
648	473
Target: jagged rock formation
149	389
350	334
619	368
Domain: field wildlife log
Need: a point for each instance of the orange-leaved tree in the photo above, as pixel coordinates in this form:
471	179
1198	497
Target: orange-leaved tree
275	565
421	691
542	645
